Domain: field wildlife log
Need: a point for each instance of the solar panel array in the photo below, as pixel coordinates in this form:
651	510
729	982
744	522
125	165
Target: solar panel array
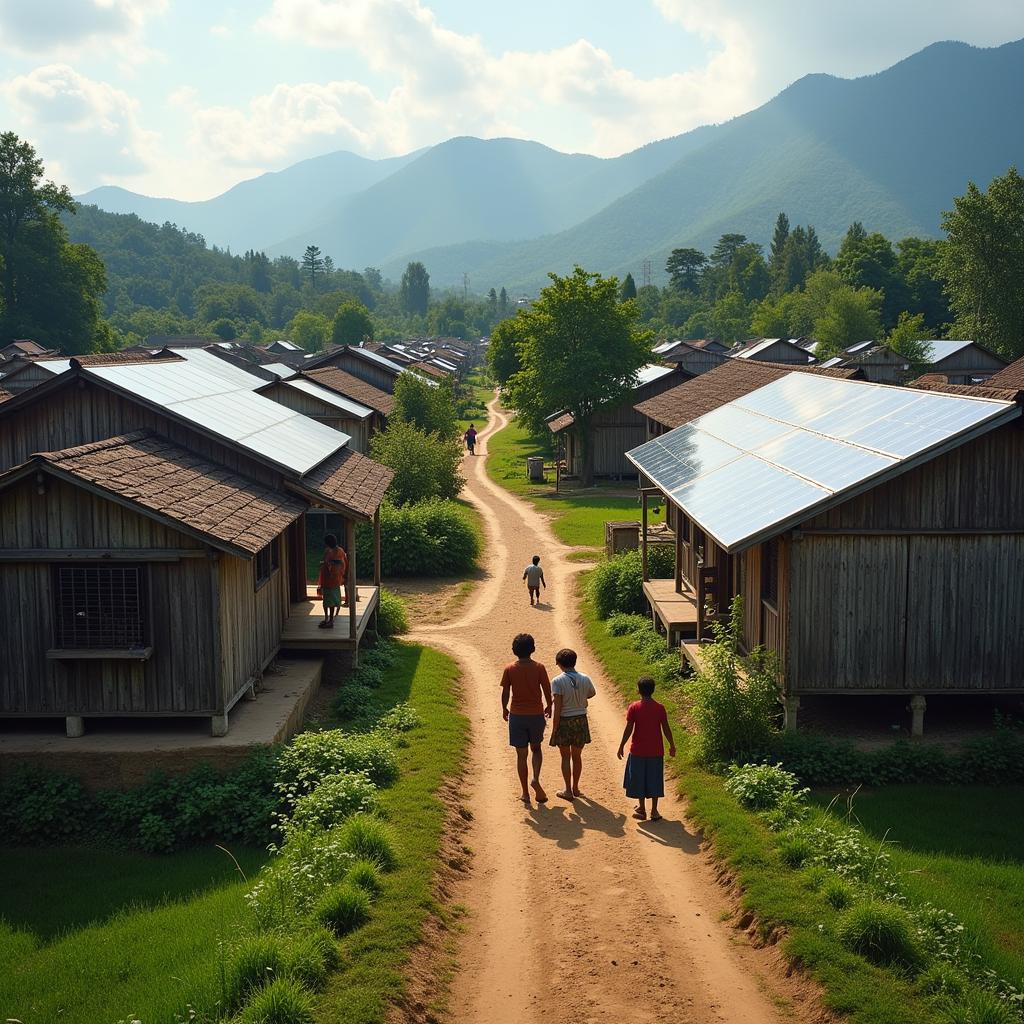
751	468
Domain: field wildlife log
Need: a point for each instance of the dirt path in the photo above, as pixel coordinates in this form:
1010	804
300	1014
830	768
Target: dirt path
576	912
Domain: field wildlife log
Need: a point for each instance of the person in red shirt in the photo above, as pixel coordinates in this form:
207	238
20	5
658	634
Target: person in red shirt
526	682
646	721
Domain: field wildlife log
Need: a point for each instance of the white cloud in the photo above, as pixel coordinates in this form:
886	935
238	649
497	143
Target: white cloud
56	26
85	130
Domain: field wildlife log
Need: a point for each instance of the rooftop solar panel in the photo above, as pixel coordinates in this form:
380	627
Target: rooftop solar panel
765	461
330	397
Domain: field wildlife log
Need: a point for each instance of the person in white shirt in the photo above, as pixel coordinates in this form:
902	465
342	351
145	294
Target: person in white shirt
570	731
534	576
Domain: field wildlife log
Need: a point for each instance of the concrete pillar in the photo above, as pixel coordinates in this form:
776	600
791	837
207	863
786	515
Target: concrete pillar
218	725
791	704
74	726
917	709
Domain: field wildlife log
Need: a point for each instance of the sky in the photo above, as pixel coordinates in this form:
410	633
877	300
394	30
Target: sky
184	98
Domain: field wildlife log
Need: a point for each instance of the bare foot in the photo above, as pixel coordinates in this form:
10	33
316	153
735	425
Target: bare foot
640	815
542	797
564	794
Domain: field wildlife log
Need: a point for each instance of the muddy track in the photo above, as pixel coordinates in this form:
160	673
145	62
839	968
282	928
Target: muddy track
575	911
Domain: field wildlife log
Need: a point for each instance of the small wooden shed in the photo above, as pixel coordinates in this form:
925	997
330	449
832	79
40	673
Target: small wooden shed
772	350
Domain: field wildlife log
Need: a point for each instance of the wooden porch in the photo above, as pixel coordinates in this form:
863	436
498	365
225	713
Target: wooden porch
301	630
676	612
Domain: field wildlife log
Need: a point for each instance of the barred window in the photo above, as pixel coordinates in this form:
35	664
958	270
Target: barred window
268	561
770	571
100	607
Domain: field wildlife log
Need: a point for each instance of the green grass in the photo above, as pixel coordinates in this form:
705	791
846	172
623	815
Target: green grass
962	848
370	977
479	394
577	515
92	936
773	892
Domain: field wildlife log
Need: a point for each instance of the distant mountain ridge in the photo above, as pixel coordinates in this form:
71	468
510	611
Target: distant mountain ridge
890	149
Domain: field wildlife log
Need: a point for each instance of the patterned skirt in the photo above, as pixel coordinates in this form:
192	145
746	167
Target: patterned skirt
571	732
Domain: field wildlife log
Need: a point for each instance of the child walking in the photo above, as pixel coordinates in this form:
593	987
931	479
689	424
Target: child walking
534	576
646	720
470	436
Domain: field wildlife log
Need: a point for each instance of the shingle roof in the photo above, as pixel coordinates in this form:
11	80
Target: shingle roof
939	382
723	384
162	477
351	480
346	384
114	358
560	422
1011	376
434	371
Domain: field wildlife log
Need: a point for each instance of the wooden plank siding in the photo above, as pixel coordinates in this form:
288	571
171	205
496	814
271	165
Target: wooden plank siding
300	401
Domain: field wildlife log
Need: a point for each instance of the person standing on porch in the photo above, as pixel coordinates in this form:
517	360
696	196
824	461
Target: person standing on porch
333	574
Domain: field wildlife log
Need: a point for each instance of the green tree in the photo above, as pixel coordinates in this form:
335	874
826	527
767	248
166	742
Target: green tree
50	288
909	338
779	238
415	289
684	267
430	408
224	329
425	465
869	261
503	350
492	305
628	289
503	302
258	268
310	330
580	350
850	315
725	248
312	264
983	263
648	301
919	263
729	318
352	324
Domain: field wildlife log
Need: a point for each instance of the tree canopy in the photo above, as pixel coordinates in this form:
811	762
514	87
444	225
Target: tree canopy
415	289
352	324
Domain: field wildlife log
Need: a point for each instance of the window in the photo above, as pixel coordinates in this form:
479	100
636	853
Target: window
268	561
100	607
770	571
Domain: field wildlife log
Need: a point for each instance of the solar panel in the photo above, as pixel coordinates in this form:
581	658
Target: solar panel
651	372
763	462
330	397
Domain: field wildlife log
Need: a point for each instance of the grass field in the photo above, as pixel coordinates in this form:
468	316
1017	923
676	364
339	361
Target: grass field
93	936
577	516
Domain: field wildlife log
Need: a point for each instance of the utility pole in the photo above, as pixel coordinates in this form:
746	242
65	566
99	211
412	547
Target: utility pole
645	272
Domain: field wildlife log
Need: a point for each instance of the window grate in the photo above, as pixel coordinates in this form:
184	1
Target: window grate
100	607
770	571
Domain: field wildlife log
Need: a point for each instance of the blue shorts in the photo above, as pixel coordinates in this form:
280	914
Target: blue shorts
525	729
644	777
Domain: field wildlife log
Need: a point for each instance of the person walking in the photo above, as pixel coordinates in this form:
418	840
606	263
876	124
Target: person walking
470	436
534	576
333	573
646	721
525	681
570	730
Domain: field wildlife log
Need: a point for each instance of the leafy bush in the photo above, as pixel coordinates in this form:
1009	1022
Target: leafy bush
425	538
39	806
402	717
283	1001
763	787
380	656
368	838
314	756
311	957
617	584
882	933
392	618
367	675
352	700
430	408
337	798
735	699
255	963
343	909
941	979
426	465
365	875
626	623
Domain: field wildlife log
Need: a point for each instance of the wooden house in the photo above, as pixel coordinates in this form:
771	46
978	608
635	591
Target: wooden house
368	366
354	420
874	533
958	362
615	428
772	350
687	356
177	470
24	349
357	390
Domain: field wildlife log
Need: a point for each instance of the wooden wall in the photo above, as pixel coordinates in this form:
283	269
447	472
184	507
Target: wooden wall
365	369
181	675
25	379
293	398
968	363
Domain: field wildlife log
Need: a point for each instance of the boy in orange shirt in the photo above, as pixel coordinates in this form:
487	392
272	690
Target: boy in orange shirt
526	681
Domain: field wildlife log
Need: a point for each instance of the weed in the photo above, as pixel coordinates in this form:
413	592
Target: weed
365	875
283	1001
311	956
343	909
881	933
255	963
370	839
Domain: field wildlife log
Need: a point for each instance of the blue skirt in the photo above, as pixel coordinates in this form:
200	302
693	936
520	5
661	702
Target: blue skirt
644	777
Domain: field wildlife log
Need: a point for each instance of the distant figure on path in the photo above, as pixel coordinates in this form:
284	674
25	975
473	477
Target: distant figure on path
333	573
534	576
570	730
526	681
470	437
646	720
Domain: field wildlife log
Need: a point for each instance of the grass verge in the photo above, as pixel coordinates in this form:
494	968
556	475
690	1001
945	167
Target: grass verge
578	515
370	978
776	895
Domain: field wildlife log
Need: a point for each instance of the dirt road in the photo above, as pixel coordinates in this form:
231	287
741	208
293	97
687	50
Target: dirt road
576	911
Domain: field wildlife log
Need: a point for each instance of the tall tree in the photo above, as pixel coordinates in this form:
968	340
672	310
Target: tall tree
50	288
850	315
503	350
309	330
628	288
684	267
503	302
778	243
983	263
374	279
909	338
258	267
725	248
352	324
430	408
312	264
869	261
580	349
492	304
415	289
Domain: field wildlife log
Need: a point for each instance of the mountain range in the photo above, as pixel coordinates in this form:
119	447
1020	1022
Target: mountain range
890	150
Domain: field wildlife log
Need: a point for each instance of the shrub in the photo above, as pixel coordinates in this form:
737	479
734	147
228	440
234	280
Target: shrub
370	839
795	850
365	875
837	893
380	656
426	465
255	963
39	806
427	538
313	756
941	979
337	798
763	787
311	956
352	700
392	618
343	909
735	699
402	717
626	623
978	1007
283	1001
617	584
368	676
881	933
